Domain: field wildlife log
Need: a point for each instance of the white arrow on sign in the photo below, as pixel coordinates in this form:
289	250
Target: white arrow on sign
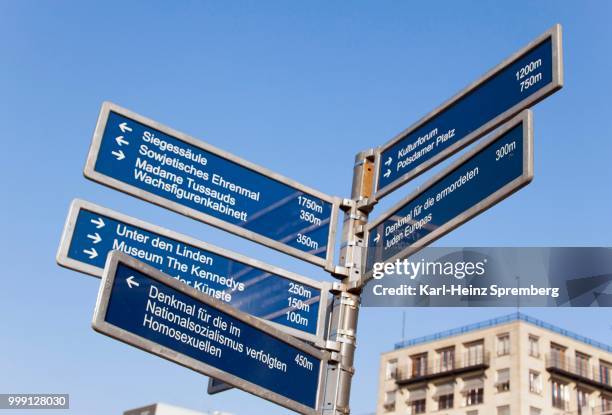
95	237
121	141
387	173
389	161
377	238
131	282
91	252
124	127
98	222
118	155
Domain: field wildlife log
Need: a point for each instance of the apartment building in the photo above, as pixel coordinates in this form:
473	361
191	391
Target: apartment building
510	365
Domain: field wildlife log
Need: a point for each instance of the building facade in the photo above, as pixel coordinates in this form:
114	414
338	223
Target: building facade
510	365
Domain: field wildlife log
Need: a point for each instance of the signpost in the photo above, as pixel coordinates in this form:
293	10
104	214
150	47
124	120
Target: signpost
481	178
204	307
150	161
140	306
296	303
522	80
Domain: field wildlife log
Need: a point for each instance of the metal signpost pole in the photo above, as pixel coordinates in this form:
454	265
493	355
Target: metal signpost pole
343	324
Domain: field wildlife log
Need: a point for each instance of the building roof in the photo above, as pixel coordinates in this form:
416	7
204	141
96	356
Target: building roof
498	321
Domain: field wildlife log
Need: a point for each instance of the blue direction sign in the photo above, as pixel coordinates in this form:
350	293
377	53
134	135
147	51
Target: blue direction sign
148	160
296	303
486	175
139	305
517	83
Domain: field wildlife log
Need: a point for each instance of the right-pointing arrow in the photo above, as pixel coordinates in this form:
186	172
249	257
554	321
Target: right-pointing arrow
98	222
377	238
388	162
91	252
121	141
96	238
387	173
118	155
131	282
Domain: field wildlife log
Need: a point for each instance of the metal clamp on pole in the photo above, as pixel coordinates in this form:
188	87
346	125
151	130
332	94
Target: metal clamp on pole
343	322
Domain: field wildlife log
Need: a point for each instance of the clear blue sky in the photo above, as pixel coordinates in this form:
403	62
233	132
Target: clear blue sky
299	87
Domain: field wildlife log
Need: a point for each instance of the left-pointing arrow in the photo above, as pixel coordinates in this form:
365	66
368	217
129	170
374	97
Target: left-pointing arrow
121	141
96	238
118	155
91	252
124	127
131	282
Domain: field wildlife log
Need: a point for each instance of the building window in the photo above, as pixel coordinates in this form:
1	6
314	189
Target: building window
557	356
475	353
446	401
605	372
503	410
606	403
559	395
471	413
582	401
474	397
447	359
417	400
534	411
391	372
535	382
534	346
503	344
582	364
419	365
474	391
503	380
389	402
445	395
417	407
